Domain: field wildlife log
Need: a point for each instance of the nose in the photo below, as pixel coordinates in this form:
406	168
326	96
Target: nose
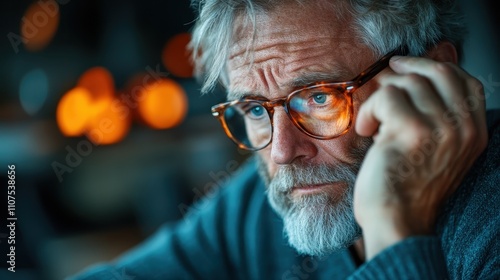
289	143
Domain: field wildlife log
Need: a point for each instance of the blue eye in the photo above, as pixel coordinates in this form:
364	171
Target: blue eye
256	111
319	98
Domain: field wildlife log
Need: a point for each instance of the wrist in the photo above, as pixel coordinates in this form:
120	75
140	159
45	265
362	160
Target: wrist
381	233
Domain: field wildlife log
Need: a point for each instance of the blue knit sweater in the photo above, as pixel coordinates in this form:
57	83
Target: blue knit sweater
236	235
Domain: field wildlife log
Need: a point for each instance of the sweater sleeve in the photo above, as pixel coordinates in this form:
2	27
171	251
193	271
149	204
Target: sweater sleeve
418	257
193	248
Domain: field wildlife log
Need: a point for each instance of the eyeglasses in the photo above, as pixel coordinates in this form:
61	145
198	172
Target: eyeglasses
321	111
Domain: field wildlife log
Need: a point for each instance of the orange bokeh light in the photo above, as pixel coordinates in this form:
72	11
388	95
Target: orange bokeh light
164	104
92	109
109	125
176	56
39	24
99	81
72	112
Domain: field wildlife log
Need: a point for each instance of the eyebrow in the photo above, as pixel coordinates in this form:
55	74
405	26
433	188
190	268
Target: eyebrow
306	79
234	95
339	75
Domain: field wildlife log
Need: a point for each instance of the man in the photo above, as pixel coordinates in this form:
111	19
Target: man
390	174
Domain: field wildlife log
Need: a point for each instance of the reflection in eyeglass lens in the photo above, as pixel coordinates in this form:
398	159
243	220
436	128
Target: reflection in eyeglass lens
249	124
321	111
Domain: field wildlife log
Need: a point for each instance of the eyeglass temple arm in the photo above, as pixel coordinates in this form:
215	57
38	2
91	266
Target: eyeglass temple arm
369	73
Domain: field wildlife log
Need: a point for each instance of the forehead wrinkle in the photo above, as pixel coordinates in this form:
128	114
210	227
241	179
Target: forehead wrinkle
265	41
338	74
243	55
305	73
330	68
290	63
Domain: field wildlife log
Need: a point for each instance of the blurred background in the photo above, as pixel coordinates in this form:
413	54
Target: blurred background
107	129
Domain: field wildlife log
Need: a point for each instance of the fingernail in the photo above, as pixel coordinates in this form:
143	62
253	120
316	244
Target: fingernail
396	58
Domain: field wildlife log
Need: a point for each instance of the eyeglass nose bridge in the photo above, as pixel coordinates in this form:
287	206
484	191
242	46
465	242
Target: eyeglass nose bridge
271	104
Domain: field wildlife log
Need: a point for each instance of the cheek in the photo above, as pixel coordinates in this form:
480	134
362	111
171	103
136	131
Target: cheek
349	149
265	156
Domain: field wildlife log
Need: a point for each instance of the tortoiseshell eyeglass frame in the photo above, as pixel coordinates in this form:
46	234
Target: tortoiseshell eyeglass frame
347	88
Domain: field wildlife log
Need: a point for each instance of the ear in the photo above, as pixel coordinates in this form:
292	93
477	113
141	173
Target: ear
444	51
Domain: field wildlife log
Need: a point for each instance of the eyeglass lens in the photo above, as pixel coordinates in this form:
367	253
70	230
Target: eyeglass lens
322	111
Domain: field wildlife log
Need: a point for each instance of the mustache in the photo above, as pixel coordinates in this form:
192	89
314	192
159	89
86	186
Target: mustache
303	175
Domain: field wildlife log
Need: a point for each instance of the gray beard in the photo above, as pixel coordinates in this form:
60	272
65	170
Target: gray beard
316	224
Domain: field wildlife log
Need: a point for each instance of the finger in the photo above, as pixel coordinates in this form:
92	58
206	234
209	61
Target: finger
419	89
387	105
460	92
445	78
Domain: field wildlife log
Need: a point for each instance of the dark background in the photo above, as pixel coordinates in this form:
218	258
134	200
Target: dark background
118	194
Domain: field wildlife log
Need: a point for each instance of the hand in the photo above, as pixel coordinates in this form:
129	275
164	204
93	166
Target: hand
429	126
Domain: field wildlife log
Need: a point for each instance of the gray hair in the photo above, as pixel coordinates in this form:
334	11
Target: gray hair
383	25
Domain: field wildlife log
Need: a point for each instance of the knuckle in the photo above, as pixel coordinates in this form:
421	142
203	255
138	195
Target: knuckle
448	135
419	83
474	139
414	79
444	69
419	131
469	135
476	84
